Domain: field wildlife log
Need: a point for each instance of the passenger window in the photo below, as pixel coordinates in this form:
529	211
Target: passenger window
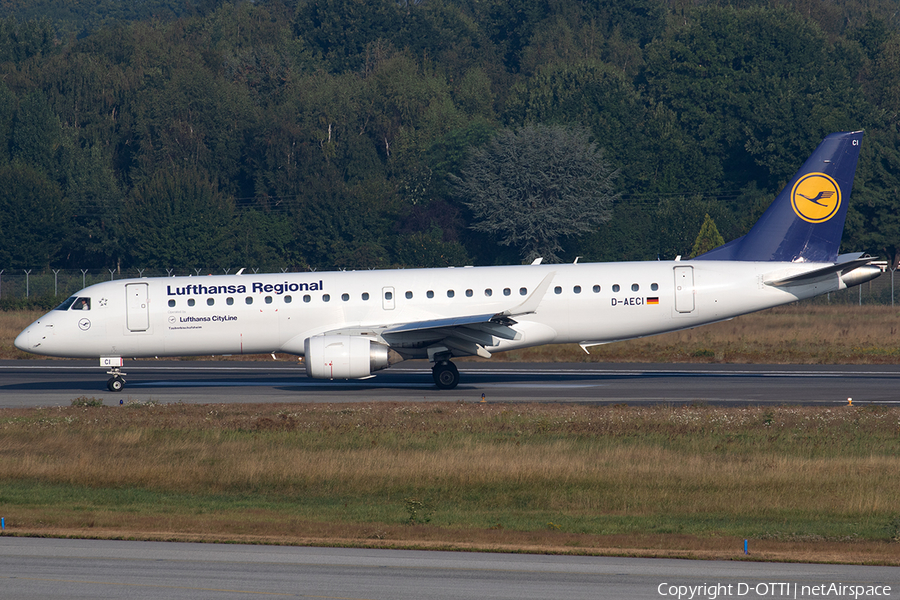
389	295
429	294
327	297
596	289
210	301
409	295
229	301
365	296
450	293
506	291
654	286
191	302
616	287
345	297
268	299
577	289
557	290
488	292
469	293
523	291
635	287
288	299
249	300
171	303
306	298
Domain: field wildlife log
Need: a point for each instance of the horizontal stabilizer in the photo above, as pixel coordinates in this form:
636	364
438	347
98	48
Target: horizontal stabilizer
840	267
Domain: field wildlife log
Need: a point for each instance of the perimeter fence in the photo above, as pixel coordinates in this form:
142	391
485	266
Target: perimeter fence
44	288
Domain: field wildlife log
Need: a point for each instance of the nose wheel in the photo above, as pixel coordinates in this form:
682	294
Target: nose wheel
446	375
116	383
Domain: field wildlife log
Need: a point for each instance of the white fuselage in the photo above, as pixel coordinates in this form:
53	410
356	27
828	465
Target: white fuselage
245	314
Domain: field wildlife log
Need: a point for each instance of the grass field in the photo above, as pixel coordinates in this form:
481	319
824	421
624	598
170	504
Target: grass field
799	483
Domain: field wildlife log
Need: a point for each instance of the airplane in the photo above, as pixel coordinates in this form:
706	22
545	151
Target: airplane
348	325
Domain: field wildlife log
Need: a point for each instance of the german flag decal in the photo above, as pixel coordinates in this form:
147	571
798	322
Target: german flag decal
652	300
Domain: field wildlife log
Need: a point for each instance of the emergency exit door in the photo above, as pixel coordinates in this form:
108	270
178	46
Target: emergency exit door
137	316
684	289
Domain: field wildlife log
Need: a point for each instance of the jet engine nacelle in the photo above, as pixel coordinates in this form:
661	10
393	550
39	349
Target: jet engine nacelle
344	356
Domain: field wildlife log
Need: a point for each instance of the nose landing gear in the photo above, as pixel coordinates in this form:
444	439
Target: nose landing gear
116	383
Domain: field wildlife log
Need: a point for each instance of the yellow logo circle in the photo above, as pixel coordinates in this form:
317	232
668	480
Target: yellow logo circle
816	197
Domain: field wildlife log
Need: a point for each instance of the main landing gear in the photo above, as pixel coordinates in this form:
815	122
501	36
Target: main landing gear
446	375
116	383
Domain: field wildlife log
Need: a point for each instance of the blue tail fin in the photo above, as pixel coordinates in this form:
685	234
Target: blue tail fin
806	220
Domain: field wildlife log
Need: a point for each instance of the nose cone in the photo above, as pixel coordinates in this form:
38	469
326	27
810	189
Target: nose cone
23	340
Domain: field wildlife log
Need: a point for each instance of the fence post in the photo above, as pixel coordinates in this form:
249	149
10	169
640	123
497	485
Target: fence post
27	282
56	282
112	274
1	282
892	285
83	273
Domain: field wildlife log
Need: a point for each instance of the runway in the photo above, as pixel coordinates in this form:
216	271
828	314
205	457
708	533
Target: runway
30	383
48	568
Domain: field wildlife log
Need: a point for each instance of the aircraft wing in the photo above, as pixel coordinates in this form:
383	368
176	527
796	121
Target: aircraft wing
462	335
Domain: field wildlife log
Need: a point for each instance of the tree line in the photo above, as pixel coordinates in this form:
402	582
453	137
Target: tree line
370	133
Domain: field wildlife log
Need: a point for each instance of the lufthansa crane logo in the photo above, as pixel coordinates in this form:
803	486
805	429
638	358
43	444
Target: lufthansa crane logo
816	197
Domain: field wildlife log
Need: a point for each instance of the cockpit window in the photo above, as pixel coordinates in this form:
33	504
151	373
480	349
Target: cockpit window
66	303
82	304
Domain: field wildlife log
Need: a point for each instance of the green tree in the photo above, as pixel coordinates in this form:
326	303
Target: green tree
676	219
534	186
179	219
22	40
92	194
36	133
754	87
33	218
7	114
708	238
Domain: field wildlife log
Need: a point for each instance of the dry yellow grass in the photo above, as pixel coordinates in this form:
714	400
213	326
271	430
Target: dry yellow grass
679	479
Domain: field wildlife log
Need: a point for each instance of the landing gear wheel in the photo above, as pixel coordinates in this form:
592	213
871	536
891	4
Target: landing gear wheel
446	375
115	384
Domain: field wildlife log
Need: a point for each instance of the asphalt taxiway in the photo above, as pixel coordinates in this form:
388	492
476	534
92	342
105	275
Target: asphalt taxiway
48	568
53	382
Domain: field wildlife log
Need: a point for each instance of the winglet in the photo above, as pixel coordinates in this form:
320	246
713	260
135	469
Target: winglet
806	220
530	305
